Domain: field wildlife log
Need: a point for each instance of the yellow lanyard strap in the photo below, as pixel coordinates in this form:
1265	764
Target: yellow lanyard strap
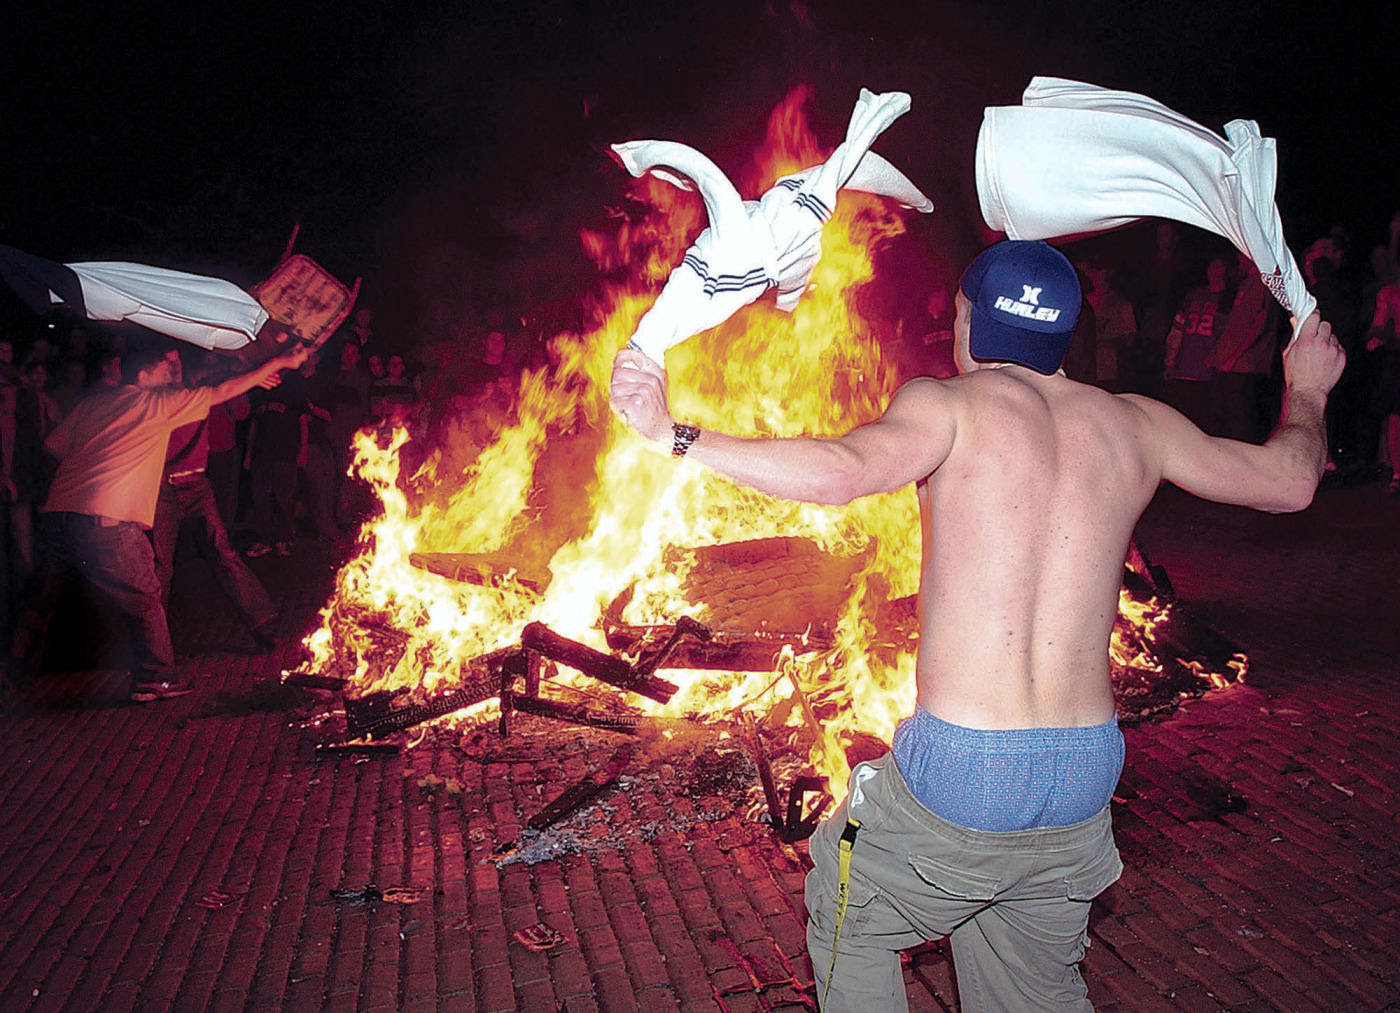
843	894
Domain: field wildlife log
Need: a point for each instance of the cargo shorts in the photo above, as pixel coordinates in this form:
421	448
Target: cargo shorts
1016	904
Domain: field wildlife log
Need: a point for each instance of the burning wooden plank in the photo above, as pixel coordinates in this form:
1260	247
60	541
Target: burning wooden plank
314	680
1142	576
352	747
542	640
1173	653
573	713
755	598
487	569
765	777
784	587
362	636
580	794
794	825
723	652
374	716
650	660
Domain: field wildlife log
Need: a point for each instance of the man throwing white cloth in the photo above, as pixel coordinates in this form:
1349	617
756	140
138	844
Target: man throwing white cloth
989	819
102	503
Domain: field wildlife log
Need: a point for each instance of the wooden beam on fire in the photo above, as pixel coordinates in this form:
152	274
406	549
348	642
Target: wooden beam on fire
542	640
314	680
374	715
723	652
1184	635
579	794
487	569
1142	576
576	714
650	660
765	779
792	826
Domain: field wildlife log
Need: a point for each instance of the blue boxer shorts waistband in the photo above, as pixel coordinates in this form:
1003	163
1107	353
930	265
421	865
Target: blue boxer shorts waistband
1002	780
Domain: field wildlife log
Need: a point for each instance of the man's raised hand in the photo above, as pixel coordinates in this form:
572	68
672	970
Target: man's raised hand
638	394
1314	360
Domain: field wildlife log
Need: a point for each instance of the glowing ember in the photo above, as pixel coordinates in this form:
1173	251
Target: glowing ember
619	525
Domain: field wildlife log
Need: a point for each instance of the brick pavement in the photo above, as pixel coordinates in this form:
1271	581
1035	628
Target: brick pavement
185	855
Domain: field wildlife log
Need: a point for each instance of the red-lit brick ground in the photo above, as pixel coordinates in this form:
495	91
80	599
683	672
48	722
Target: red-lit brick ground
183	855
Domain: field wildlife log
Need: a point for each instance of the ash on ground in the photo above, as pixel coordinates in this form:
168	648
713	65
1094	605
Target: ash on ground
670	786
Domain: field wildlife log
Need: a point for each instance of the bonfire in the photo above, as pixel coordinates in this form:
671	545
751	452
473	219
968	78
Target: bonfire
566	520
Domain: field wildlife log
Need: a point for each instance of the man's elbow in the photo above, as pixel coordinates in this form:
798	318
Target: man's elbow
1295	501
1296	493
834	492
840	485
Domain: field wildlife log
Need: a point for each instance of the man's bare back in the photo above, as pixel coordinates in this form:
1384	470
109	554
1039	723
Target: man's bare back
1026	525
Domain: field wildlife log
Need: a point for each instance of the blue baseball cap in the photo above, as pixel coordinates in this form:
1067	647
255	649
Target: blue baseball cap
1025	302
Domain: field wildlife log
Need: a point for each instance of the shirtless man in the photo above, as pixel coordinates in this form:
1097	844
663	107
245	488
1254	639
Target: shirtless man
989	819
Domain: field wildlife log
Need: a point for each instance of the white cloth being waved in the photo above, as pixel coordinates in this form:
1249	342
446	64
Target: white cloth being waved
1076	158
208	312
752	246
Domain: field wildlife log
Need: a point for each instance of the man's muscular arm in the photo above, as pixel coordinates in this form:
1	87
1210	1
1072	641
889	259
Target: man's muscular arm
1282	474
910	441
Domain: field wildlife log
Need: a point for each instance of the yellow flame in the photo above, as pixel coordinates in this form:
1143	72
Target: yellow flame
565	489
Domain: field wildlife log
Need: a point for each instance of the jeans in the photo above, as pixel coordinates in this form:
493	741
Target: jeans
319	489
194	498
275	500
116	558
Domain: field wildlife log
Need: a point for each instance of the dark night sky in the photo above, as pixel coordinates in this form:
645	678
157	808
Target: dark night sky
450	152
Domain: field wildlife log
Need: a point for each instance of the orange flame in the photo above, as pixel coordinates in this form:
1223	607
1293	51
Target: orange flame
613	523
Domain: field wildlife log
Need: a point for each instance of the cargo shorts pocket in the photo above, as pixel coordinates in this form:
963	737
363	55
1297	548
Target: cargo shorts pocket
860	905
962	884
823	894
1098	876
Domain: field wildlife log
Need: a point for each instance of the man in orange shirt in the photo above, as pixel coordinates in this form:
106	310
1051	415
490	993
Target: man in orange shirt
102	502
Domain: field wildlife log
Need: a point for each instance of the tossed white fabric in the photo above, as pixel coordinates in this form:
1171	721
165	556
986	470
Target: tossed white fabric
752	246
1076	158
209	312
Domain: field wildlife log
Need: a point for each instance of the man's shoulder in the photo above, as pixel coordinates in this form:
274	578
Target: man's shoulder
1066	398
1141	408
173	399
919	383
931	392
107	401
